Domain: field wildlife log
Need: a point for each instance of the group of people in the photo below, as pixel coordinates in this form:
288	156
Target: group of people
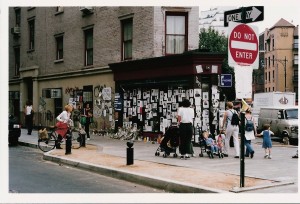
185	118
63	120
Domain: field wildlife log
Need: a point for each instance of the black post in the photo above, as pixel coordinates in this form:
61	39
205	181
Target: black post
68	143
129	153
285	74
242	153
82	138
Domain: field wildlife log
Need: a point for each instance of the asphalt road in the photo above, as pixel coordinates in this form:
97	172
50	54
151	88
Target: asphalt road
29	173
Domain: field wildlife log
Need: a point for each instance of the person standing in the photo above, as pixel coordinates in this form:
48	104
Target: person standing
185	119
87	113
267	142
249	135
230	130
29	113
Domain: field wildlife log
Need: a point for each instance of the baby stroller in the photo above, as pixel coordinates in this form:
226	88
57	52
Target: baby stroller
169	142
203	146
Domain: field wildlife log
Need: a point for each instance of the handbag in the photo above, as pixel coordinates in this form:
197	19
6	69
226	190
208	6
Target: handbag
82	120
249	135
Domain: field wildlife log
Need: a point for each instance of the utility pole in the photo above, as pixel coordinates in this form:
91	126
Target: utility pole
283	62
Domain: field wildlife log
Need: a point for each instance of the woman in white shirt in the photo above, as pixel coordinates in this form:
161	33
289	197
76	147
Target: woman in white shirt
185	118
62	124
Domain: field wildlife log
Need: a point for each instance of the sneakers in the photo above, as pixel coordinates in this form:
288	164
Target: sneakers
236	157
295	156
269	157
88	139
266	156
225	155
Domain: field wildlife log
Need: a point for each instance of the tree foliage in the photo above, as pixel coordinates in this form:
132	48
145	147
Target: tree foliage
213	41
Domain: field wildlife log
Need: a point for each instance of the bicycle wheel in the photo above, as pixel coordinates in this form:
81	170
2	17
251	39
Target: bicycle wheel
47	144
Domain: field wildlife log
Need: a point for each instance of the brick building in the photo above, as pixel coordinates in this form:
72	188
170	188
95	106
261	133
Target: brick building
60	55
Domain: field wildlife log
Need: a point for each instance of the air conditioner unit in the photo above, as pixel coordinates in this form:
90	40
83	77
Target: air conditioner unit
15	30
86	10
55	93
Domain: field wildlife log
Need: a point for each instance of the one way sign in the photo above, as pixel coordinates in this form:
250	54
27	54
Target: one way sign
244	15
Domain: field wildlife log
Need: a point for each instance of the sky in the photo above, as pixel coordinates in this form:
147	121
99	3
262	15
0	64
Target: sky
273	11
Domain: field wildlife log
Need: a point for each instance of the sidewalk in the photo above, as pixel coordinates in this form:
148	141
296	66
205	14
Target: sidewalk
198	174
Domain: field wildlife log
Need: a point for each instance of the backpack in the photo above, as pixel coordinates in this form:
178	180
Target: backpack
235	118
249	125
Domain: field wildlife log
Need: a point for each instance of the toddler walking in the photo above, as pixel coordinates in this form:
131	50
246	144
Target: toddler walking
267	142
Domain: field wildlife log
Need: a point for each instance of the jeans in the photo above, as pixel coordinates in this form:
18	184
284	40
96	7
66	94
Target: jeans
249	148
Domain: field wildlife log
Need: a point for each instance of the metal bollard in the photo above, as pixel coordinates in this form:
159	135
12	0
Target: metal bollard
68	143
130	153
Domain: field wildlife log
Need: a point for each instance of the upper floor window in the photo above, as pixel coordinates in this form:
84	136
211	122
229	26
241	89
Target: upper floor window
18	17
88	35
59	47
31	34
176	33
127	29
17	61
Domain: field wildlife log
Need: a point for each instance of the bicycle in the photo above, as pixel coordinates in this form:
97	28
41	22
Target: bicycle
49	139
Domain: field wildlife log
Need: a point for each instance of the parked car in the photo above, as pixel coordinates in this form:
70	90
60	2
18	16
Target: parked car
280	118
14	128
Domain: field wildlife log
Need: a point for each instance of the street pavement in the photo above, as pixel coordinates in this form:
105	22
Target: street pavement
107	156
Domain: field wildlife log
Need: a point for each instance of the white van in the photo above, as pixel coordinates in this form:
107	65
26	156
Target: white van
280	118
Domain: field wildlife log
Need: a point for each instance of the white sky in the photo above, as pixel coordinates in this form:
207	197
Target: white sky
273	11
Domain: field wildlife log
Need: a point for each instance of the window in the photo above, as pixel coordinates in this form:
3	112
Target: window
273	75
17	61
176	33
295	60
18	17
59	9
273	43
127	28
269	61
31	34
88	35
273	60
59	48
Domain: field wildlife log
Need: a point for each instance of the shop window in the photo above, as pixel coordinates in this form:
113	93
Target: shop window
31	25
88	35
127	29
176	33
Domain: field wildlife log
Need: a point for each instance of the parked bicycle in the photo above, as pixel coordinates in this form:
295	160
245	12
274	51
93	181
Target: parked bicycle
49	139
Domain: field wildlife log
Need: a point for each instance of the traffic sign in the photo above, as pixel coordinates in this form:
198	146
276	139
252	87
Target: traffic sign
244	15
226	80
243	45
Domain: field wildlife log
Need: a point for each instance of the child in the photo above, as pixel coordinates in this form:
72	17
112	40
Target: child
210	143
267	142
220	140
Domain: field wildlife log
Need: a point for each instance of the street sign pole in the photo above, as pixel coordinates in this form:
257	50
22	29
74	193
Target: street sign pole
242	153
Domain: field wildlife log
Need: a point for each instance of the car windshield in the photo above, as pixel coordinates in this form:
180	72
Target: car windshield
292	114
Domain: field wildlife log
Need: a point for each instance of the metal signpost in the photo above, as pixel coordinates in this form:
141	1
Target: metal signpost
243	51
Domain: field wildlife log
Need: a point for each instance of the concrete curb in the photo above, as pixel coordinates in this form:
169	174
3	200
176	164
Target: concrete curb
155	182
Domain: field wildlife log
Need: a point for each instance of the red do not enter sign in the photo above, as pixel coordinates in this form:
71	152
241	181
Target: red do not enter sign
243	45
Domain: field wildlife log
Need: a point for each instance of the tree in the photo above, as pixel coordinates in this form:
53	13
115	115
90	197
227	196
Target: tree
213	41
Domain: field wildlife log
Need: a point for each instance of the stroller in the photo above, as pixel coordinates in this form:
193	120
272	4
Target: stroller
169	142
203	146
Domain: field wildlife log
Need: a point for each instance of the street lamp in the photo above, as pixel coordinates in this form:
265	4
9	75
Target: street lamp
283	62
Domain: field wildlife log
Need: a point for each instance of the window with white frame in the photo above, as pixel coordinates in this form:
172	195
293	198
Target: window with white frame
176	32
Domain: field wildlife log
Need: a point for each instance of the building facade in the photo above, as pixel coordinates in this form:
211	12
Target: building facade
281	58
108	57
